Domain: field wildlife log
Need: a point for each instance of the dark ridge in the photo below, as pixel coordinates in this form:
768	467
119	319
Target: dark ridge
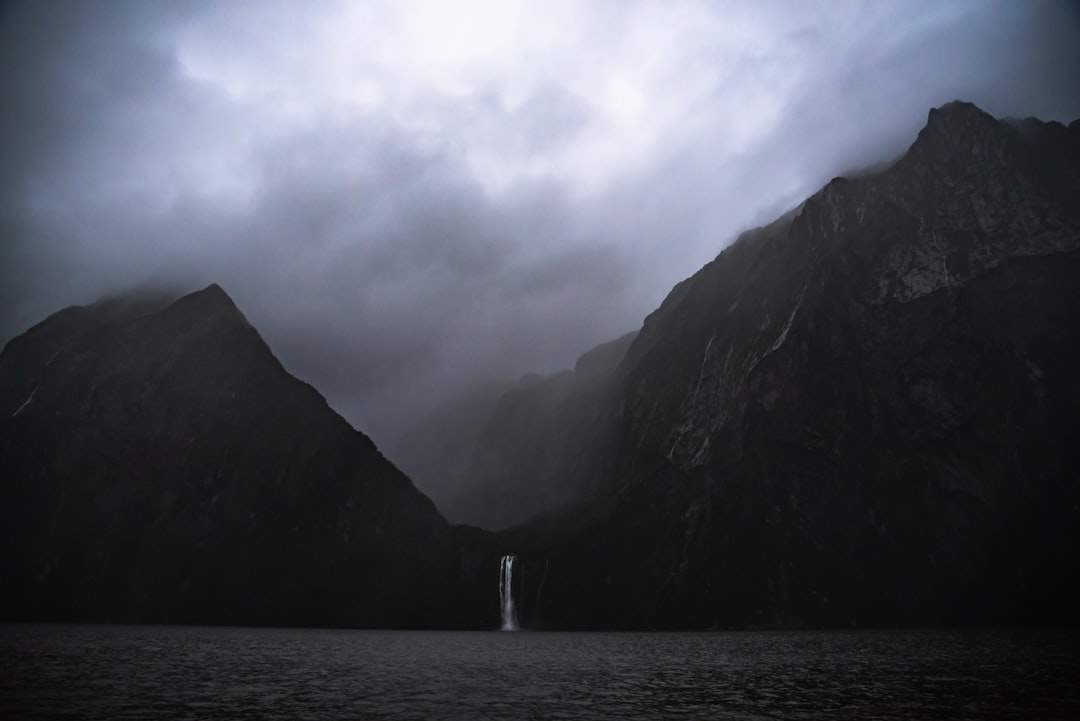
857	415
605	357
163	467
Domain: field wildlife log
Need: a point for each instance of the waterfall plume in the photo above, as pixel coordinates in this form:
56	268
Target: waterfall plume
506	594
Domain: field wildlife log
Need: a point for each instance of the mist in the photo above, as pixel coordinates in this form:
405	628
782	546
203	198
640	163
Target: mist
410	200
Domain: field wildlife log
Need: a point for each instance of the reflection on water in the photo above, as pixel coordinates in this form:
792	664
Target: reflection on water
118	672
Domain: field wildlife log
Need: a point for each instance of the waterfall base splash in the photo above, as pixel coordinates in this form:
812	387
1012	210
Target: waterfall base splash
506	594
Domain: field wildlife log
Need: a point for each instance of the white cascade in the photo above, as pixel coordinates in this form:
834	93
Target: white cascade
506	594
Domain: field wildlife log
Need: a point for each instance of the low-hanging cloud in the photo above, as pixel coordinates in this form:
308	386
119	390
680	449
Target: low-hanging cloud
408	198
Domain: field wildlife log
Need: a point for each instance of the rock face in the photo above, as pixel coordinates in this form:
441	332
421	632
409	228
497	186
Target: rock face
542	435
863	413
159	465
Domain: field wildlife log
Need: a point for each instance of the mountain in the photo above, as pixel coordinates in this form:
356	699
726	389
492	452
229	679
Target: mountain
436	448
159	465
864	413
525	461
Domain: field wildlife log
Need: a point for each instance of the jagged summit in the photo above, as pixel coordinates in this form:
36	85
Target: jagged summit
957	112
957	121
960	132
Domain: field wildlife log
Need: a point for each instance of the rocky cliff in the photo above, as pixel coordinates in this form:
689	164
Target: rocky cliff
159	465
863	413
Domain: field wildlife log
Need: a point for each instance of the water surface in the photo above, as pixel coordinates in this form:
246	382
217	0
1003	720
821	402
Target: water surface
169	672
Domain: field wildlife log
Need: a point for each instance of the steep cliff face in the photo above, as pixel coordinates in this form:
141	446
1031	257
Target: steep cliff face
864	412
158	464
536	453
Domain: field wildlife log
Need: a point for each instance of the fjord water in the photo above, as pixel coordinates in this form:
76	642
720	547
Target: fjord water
168	672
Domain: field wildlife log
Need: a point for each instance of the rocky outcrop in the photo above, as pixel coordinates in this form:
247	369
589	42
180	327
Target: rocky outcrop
159	465
862	413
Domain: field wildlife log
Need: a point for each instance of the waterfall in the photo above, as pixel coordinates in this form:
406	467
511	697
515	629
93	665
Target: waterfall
506	594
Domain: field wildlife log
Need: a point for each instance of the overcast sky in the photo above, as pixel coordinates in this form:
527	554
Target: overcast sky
405	197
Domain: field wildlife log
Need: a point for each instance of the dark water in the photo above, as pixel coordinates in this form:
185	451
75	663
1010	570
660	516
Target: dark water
128	672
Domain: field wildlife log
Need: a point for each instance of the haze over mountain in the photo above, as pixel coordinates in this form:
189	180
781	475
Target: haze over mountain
412	199
862	413
534	443
859	414
160	466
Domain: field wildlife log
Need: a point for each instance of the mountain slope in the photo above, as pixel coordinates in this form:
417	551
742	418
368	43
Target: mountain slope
541	436
159	465
863	413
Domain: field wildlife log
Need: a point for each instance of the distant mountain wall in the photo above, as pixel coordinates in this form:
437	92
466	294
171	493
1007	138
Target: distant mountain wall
534	453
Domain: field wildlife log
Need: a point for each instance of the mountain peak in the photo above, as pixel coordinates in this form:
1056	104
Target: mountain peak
958	109
879	382
959	119
211	301
213	293
957	129
182	474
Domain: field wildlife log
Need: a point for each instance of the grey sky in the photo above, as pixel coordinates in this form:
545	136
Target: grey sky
408	197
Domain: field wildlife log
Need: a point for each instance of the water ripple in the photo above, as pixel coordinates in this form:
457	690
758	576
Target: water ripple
155	672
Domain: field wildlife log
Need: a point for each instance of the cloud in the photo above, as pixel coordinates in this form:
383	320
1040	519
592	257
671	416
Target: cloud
408	198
